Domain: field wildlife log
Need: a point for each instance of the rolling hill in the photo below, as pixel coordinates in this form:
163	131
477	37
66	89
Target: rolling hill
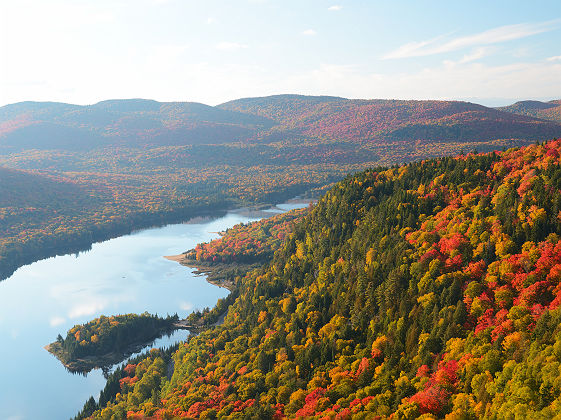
379	121
25	189
132	122
544	110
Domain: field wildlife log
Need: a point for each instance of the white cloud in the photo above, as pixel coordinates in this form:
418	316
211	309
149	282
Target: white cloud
555	58
335	8
56	320
230	46
309	32
491	36
210	21
86	309
448	81
186	306
476	54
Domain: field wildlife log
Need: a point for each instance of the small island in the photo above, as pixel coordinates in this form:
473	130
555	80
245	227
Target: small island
108	339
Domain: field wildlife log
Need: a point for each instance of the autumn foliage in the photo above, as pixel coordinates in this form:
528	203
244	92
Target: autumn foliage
248	243
428	290
114	333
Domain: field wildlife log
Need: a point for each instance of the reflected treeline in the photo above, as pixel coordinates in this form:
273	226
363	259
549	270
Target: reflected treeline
14	255
142	349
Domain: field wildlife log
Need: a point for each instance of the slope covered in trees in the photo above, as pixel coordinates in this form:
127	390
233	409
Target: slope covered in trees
426	289
247	243
240	249
37	205
23	188
545	110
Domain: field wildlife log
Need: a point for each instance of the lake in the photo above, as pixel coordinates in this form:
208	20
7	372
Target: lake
121	275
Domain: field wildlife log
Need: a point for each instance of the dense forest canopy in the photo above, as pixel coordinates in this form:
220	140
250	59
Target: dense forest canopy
247	243
429	289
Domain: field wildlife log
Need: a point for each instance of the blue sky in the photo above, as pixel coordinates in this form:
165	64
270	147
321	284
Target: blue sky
211	51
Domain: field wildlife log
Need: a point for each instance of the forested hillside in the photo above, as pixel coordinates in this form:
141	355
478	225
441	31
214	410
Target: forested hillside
23	188
34	206
430	289
248	243
545	110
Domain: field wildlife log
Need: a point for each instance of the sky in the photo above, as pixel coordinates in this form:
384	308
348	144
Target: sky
212	51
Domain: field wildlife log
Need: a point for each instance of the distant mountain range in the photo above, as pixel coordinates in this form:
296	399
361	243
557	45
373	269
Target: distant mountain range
284	118
133	122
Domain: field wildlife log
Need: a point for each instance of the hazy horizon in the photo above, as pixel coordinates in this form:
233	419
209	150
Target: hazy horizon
215	51
489	102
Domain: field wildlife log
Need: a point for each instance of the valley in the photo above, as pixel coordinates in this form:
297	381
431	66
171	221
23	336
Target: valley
270	210
313	283
123	275
121	165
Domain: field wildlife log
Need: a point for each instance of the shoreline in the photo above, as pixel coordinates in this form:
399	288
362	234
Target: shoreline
176	258
85	241
215	272
220	275
200	270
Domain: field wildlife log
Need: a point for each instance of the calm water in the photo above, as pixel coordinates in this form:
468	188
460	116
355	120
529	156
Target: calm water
122	275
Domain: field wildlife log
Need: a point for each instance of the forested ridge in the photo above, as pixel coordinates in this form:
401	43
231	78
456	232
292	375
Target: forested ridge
380	120
430	289
550	110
